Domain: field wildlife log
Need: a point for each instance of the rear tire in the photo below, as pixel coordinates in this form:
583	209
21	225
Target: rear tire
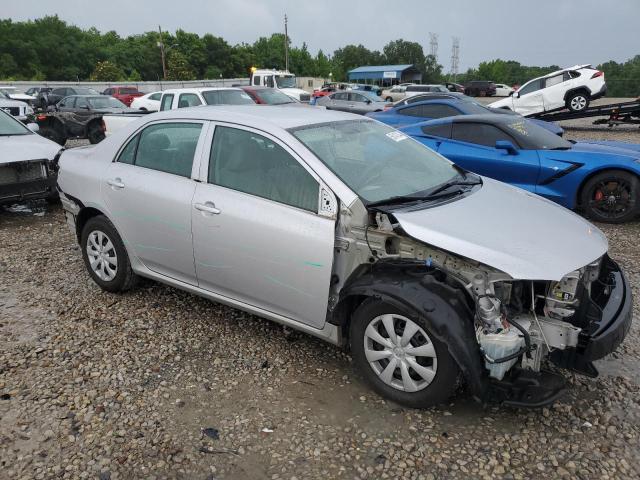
419	374
53	134
389	99
95	133
578	102
612	196
105	256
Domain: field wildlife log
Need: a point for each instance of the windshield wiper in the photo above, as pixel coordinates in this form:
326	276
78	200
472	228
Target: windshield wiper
452	183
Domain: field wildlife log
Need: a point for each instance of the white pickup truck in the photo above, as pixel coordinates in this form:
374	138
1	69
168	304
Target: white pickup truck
282	80
181	98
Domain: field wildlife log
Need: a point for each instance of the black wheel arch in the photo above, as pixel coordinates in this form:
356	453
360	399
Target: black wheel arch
583	89
423	292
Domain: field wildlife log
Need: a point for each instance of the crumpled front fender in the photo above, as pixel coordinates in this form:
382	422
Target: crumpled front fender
446	309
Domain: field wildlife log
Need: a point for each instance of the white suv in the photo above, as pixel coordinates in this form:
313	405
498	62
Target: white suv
572	88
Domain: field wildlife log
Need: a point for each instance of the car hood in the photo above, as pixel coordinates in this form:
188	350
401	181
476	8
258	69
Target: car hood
505	102
608	147
294	91
5	102
512	230
27	147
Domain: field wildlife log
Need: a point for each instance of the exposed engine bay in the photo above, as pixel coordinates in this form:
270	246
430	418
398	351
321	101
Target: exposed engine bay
517	322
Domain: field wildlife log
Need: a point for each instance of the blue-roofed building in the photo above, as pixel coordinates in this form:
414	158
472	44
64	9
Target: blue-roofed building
385	74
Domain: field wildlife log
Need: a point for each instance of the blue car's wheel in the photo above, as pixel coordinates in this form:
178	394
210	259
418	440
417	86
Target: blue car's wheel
612	197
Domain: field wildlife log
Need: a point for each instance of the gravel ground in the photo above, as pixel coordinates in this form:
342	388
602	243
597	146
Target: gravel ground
96	385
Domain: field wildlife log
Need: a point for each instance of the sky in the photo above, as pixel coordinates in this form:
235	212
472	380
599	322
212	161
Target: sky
540	32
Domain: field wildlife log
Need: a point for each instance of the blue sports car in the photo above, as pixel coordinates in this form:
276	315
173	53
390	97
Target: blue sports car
602	179
405	114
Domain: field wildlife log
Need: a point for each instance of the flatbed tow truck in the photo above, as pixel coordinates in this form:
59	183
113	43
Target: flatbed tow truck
616	113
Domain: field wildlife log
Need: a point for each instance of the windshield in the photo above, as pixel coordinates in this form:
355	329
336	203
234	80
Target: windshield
371	96
376	161
273	97
533	137
10	126
227	97
105	102
85	91
286	81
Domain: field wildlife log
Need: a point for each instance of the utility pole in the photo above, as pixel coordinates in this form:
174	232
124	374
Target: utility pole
161	45
455	57
286	44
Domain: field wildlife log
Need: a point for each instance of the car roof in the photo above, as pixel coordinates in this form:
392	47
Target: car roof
430	101
490	118
198	89
258	115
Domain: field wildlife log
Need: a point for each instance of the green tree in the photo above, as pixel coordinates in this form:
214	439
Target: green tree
107	72
178	67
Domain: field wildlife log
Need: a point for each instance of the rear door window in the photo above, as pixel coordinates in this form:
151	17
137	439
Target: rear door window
165	147
167	100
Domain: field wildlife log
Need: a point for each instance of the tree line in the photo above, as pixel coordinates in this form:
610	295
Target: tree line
51	49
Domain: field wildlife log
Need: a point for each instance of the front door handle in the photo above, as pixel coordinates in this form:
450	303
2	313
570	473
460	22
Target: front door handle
116	183
207	207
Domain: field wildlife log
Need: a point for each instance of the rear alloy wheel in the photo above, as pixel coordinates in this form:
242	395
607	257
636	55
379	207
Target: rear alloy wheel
612	197
578	102
105	256
399	357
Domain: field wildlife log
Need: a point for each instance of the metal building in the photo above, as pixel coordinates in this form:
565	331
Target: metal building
385	74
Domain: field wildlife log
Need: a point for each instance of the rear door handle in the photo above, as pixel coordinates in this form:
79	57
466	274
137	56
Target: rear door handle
116	183
207	207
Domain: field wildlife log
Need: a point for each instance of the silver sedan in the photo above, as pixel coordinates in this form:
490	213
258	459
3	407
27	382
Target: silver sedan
359	102
346	229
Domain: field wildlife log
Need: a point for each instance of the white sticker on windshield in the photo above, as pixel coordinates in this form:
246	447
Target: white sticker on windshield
397	136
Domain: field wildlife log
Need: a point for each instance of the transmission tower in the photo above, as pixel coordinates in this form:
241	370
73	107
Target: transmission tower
433	44
455	57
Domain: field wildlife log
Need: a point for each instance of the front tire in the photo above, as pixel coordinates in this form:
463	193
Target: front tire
612	196
399	356
578	102
105	257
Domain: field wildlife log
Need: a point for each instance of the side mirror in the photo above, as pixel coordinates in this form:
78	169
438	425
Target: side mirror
506	145
34	127
514	94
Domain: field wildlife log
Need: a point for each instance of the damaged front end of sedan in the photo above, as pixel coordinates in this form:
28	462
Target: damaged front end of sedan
503	323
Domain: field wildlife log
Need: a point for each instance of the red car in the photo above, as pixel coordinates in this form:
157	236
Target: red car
124	94
267	95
